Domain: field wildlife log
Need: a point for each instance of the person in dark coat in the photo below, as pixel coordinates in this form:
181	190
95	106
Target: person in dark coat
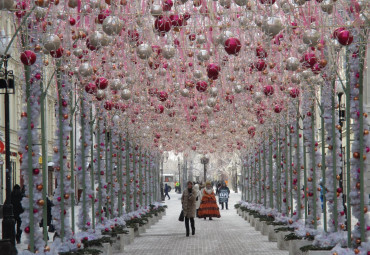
223	196
166	190
16	198
188	201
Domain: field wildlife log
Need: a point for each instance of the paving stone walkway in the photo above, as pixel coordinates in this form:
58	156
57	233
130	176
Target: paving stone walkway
228	235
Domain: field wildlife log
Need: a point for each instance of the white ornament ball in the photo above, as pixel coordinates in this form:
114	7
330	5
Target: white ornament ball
311	37
292	64
85	70
272	26
51	42
168	51
144	51
126	94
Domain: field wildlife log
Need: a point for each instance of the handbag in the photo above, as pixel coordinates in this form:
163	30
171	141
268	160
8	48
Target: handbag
181	217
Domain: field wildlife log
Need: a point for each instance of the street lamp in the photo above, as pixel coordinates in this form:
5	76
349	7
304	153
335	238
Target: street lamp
204	160
6	88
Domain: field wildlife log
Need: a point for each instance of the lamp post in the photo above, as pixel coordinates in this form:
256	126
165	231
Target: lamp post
342	114
204	160
6	88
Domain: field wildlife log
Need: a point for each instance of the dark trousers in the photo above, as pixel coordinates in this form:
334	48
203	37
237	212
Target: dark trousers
227	205
166	195
19	231
187	225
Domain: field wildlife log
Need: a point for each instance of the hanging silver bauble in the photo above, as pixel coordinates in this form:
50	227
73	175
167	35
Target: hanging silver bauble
213	91
327	6
302	48
94	4
96	39
39	12
51	42
112	25
100	94
150	76
306	74
130	80
72	3
311	37
238	89
211	101
115	84
295	78
225	3
299	2
272	26
78	52
286	8
6	4
168	51
197	74
85	9
292	64
126	94
185	92
156	10
203	55
241	2
85	69
224	36
106	40
208	110
116	119
144	51
201	39
258	97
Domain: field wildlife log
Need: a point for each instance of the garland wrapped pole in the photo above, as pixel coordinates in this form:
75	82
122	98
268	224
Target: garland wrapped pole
271	185
92	168
127	173
72	105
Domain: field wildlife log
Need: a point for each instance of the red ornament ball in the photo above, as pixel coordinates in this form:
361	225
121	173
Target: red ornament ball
294	92
162	96
108	105
213	71
36	171
91	88
232	46
201	86
28	57
101	83
163	24
345	37
268	90
27	230
57	53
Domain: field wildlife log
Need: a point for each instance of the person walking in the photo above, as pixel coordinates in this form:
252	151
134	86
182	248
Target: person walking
208	206
166	190
198	199
188	200
16	198
223	196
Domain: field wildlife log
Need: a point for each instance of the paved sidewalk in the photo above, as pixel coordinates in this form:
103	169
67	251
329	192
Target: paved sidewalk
228	235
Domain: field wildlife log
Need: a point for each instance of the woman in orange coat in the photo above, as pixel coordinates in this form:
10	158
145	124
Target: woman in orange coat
208	206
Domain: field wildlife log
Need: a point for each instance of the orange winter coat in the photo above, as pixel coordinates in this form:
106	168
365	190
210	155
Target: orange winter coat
208	206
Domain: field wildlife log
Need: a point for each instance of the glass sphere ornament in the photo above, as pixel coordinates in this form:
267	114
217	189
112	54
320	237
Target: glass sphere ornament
97	39
311	37
272	26
168	51
100	94
327	6
241	2
185	92
115	84
292	64
144	51
126	94
156	10
211	101
201	39
197	74
203	55
213	91
28	57
85	69
112	25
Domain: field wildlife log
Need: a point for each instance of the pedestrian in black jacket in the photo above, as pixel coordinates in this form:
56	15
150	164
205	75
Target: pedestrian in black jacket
16	198
223	196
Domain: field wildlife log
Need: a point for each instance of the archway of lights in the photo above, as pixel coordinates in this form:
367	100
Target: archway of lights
255	78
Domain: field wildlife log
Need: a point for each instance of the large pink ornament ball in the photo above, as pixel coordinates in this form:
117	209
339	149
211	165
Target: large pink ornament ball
213	71
268	90
28	57
260	65
309	59
345	37
167	5
294	92
162	24
57	53
162	96
108	105
232	46
201	86
159	109
278	108
101	83
260	52
91	88
176	20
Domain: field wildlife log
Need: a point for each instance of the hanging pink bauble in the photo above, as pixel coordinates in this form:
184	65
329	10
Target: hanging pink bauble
102	16
108	105
201	86
260	65
232	46
186	16
162	96
91	88
36	171
57	53
337	31
345	37
167	5
28	57
163	24
309	59
133	35
213	71
278	108
294	92
192	37
159	109
72	21
101	83
316	69
27	230
260	52
176	20
268	90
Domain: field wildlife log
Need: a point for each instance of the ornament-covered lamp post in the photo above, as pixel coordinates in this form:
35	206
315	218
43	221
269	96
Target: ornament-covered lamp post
204	160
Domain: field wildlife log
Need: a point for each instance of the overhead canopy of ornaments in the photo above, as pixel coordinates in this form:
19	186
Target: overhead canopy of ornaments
141	77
